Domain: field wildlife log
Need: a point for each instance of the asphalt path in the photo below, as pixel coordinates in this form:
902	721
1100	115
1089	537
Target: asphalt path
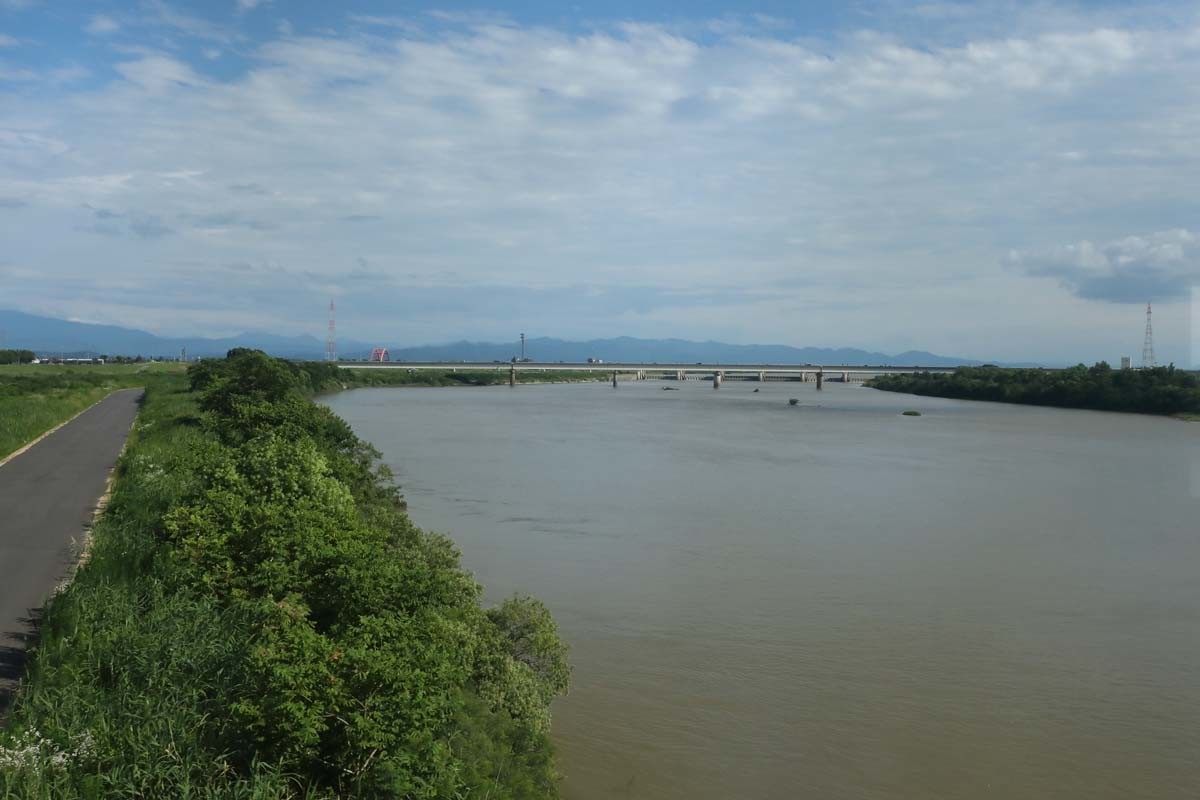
48	497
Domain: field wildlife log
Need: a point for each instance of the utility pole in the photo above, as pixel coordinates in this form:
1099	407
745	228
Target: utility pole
331	339
522	347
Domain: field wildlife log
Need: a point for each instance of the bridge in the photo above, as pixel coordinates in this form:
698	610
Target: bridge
717	373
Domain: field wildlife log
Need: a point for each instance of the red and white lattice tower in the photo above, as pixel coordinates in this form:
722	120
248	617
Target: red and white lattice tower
1148	344
331	339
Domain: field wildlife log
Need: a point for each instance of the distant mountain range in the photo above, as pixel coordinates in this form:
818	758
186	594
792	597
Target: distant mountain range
679	351
49	336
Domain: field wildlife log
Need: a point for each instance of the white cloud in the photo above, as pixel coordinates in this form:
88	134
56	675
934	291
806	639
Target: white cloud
1161	266
15	74
863	190
385	21
7	41
101	24
157	13
157	73
250	5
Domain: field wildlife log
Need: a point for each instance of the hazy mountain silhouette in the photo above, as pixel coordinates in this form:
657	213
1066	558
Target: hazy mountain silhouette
49	336
628	349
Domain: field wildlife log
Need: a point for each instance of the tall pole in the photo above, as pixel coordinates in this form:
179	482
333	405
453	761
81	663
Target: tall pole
331	339
522	347
1148	343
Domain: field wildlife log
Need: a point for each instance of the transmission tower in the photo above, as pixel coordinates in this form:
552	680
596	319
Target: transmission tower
331	339
1148	345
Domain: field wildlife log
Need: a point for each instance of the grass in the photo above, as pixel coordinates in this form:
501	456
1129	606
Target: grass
225	597
111	648
35	398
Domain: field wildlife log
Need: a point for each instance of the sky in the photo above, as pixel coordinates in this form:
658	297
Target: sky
995	180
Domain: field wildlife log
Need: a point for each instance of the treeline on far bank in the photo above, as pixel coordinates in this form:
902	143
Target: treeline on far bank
1159	390
17	356
259	618
322	376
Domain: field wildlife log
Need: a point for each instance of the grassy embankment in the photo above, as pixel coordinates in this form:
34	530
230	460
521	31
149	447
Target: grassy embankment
36	397
1162	390
260	619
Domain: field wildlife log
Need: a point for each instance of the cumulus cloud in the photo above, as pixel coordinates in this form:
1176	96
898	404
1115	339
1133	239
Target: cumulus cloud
849	191
1160	266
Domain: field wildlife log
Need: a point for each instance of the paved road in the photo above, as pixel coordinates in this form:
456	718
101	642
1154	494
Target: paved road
48	495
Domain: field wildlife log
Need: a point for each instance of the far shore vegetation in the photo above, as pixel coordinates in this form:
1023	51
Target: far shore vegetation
36	397
17	356
336	377
259	618
1160	390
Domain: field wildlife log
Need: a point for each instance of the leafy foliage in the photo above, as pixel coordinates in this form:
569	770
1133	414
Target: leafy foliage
17	356
1162	390
258	589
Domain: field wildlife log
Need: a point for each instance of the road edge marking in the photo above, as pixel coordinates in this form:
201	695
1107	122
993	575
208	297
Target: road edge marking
26	447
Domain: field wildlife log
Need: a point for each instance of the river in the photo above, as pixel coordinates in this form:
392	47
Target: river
830	600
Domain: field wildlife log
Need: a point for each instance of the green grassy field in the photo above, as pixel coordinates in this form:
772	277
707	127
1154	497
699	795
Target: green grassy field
259	618
36	397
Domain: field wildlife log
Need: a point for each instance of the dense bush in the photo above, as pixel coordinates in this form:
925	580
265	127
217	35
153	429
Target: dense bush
260	608
1162	390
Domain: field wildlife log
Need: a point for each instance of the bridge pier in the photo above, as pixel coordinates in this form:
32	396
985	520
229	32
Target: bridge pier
762	377
820	378
679	375
845	377
717	376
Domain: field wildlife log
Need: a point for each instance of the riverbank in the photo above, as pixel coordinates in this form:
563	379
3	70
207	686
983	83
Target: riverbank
36	398
259	606
367	377
1162	390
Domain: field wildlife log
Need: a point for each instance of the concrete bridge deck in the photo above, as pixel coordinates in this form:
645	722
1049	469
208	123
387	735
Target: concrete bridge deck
728	372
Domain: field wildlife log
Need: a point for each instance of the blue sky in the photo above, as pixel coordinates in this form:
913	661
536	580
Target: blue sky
999	180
